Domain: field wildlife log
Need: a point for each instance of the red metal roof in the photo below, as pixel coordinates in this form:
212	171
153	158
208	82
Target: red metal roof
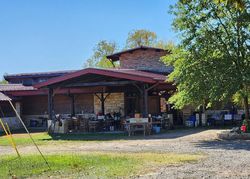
39	74
155	76
115	56
3	97
129	74
15	87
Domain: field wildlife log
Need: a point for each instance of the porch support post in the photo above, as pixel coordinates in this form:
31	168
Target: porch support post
145	91
102	99
141	93
145	103
103	103
50	104
144	96
73	112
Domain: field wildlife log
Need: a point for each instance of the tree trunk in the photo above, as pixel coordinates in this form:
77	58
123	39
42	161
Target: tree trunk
246	106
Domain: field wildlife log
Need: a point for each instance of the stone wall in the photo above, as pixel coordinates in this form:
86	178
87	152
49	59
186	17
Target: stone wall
113	103
144	60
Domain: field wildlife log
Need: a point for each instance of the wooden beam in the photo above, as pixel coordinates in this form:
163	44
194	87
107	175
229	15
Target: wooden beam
145	102
138	87
145	98
50	104
106	96
103	103
111	83
98	96
102	99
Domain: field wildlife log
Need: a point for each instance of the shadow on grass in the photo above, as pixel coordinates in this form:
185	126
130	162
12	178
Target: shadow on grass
165	134
169	134
225	144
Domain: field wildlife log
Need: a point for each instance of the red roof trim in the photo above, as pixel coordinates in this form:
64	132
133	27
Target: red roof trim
105	72
58	91
15	87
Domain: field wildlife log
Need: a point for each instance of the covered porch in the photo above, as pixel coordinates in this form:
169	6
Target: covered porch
109	100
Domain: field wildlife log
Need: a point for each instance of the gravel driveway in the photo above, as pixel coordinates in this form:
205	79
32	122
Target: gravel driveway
223	159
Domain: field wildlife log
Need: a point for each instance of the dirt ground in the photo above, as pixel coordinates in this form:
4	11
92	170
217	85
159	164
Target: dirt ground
223	159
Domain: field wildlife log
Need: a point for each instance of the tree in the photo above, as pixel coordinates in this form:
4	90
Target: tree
240	4
98	59
141	37
3	81
212	61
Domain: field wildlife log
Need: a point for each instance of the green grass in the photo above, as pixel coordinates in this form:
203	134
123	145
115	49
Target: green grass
105	165
43	138
23	139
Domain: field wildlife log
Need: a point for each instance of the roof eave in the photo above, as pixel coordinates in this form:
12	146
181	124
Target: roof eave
57	80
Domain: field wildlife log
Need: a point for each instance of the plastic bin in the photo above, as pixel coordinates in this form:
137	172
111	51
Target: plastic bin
190	123
157	129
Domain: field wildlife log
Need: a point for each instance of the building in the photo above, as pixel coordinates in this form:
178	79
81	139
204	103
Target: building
137	86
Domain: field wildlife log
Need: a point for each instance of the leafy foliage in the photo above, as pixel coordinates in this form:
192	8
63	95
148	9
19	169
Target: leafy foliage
3	82
240	4
141	38
102	49
212	62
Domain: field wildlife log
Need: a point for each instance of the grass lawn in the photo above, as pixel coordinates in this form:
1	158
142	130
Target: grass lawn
95	164
42	138
23	139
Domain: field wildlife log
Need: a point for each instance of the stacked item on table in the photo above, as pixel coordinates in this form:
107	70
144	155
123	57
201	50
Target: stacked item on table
84	124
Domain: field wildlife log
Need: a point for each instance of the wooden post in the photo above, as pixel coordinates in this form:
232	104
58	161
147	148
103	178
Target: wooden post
103	103
73	112
50	104
141	102
141	97
102	100
146	89
145	103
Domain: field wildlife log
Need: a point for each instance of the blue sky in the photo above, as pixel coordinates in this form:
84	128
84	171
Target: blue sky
51	35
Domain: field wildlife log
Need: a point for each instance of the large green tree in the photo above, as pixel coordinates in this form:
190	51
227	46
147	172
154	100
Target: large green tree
141	37
101	50
212	62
